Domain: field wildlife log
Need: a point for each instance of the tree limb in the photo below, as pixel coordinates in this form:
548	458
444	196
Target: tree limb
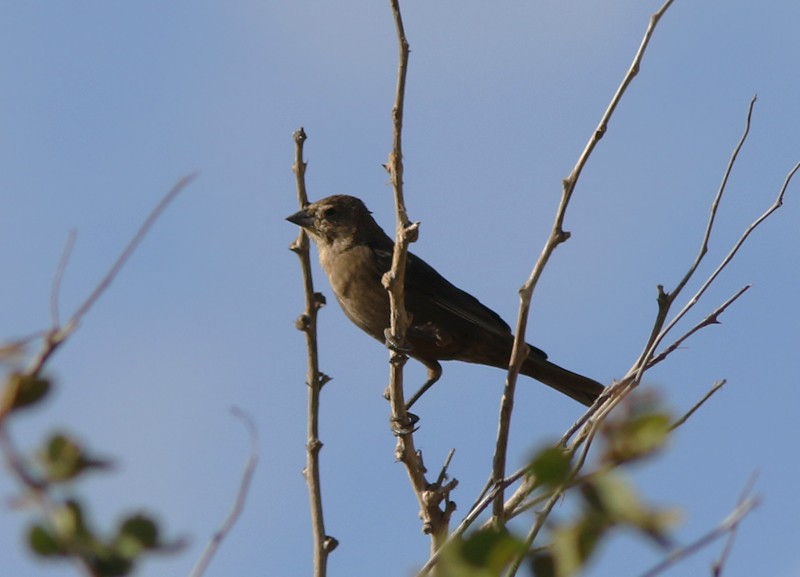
315	379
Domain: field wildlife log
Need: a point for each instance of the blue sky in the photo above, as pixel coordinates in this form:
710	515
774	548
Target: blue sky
104	107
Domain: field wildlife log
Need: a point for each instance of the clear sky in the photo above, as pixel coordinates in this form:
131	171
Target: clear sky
104	106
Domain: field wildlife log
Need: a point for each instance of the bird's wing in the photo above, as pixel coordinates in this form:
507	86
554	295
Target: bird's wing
423	283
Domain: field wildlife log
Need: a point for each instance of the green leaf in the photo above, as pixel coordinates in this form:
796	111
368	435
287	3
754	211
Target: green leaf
43	543
110	564
64	459
136	534
69	522
616	503
635	437
543	565
551	466
484	553
574	544
22	391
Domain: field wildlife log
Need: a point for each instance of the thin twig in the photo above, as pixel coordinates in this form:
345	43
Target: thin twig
57	335
711	319
614	394
730	523
55	290
315	379
718	566
660	331
557	236
714	388
239	501
130	249
541	517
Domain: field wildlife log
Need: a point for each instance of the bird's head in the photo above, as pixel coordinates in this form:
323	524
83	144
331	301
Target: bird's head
338	218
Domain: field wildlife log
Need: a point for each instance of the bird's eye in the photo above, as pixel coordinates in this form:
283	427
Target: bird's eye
329	212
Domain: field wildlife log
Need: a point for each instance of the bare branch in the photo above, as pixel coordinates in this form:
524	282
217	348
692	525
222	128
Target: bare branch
55	290
711	319
557	236
57	335
241	495
715	204
714	388
728	525
315	379
52	340
129	250
434	502
666	299
719	564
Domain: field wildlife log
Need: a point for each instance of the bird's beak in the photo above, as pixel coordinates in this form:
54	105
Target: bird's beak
301	218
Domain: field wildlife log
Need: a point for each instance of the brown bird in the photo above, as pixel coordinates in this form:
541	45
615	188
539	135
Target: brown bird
447	324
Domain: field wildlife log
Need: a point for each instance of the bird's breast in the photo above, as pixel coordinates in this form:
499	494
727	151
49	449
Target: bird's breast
356	281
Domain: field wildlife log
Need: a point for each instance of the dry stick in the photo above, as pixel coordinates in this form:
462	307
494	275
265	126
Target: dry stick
731	254
719	564
714	388
646	358
729	524
557	236
665	300
323	544
711	319
619	389
57	335
238	503
435	519
55	289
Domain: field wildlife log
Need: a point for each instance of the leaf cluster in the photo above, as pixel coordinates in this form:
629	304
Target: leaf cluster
602	498
61	529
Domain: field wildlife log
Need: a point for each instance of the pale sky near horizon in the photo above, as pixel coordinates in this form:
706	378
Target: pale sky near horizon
104	107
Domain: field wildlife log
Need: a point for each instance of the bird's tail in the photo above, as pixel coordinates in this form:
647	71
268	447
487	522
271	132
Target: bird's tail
582	389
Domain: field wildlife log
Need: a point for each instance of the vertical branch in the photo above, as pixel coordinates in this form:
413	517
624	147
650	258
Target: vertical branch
435	518
307	322
557	236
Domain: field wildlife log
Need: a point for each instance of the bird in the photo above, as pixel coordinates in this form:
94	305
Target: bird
446	323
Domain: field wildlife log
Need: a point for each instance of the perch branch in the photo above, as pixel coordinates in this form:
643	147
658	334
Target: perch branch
435	505
307	323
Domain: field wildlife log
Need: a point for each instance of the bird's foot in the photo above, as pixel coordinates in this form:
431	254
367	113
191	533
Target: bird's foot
393	345
404	426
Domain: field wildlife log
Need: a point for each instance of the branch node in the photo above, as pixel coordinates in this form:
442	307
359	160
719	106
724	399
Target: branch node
303	322
388	280
314	446
330	543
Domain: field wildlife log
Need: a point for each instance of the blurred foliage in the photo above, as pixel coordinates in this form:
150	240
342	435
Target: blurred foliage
603	500
61	529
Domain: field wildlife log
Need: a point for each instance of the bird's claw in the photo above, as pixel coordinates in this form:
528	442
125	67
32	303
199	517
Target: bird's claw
393	345
406	426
